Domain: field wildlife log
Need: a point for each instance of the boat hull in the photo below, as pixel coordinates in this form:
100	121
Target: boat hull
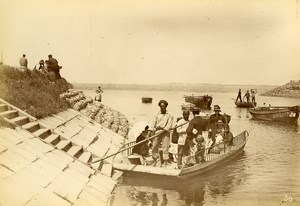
275	114
146	99
212	161
199	101
245	104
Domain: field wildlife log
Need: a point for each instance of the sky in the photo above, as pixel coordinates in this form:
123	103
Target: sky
150	42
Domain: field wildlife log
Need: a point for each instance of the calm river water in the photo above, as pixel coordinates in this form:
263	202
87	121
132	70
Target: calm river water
267	173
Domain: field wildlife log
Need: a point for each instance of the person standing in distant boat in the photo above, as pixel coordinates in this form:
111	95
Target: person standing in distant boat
23	62
239	97
98	96
162	123
247	95
253	92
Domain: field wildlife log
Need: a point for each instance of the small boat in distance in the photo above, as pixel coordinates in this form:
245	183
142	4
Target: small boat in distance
146	99
245	104
199	101
129	163
279	113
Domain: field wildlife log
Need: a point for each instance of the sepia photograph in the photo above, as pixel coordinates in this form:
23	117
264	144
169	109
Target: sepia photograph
149	102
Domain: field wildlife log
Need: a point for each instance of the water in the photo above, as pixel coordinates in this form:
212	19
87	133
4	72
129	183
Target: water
265	173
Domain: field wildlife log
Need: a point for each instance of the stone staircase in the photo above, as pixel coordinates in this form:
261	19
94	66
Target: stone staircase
30	124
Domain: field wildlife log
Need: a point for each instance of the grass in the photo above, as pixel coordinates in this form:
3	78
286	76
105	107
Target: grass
32	91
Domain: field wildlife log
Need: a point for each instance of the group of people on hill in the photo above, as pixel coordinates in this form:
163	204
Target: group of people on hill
50	65
189	142
247	95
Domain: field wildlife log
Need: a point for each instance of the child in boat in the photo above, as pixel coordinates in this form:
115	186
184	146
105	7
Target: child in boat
227	136
182	135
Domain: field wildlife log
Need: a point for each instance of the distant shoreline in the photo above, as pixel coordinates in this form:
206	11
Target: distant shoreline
197	88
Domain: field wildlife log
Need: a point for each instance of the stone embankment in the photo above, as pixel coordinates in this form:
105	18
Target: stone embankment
102	114
291	89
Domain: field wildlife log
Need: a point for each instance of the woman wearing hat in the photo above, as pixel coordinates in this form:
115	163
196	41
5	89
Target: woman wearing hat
162	121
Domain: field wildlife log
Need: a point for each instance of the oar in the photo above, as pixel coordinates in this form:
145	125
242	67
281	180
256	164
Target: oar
145	140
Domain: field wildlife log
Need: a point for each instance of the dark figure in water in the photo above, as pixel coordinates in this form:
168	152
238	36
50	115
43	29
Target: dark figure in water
239	97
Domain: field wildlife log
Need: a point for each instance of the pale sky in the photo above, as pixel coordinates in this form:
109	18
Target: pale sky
136	42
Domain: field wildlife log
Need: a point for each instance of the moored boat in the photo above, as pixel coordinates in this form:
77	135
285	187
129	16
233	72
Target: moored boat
280	113
146	99
131	164
199	101
245	104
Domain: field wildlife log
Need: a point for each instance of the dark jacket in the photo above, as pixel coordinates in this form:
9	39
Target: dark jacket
197	123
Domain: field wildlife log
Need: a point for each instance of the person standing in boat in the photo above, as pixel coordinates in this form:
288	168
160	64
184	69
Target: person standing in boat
239	97
247	95
162	123
253	92
182	135
194	135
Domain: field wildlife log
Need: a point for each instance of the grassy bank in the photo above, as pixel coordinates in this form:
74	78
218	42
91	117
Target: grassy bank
32	91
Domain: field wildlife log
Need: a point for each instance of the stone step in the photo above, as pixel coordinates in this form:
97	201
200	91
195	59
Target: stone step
86	157
107	169
31	126
97	165
75	151
42	133
3	107
21	120
64	145
10	114
116	174
52	139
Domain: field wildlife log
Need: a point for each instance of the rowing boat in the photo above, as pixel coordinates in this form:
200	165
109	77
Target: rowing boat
146	99
199	101
124	161
245	104
281	113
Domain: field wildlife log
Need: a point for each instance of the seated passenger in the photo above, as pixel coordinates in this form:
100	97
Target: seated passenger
227	136
143	148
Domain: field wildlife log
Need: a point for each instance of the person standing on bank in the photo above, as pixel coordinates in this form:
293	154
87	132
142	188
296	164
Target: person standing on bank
98	96
239	97
23	62
162	121
53	66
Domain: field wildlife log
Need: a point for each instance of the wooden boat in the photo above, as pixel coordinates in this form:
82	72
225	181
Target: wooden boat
276	113
199	101
130	163
146	99
245	104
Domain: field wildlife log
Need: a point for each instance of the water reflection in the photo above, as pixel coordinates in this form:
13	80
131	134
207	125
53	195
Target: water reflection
282	126
152	190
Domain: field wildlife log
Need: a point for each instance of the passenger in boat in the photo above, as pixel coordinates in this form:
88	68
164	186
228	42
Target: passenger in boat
213	123
162	123
247	95
143	148
253	92
227	136
182	136
239	97
215	135
194	132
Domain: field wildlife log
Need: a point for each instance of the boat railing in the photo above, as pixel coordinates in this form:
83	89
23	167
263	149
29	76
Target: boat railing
213	152
217	150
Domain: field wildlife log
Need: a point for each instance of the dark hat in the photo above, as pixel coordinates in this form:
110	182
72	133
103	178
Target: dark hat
50	55
163	101
41	61
196	110
217	108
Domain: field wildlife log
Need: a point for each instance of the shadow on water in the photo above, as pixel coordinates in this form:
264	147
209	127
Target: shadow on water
150	190
292	126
